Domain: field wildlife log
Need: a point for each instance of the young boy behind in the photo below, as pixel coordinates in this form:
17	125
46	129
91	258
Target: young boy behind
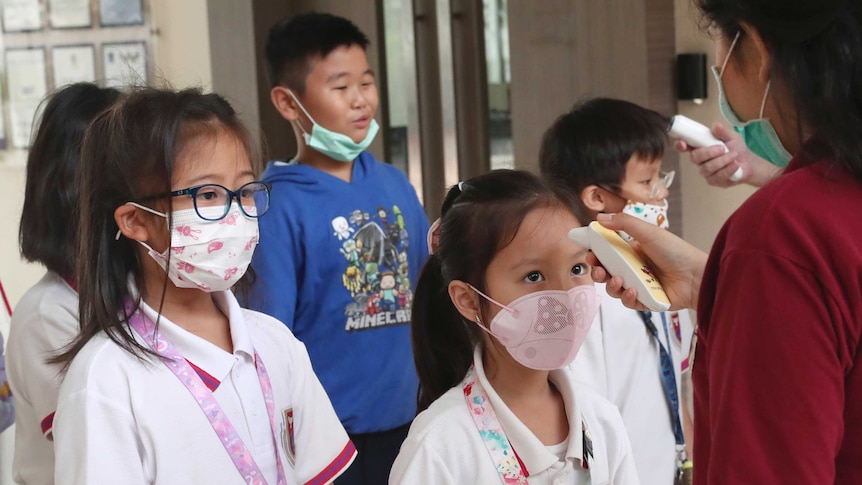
344	238
608	154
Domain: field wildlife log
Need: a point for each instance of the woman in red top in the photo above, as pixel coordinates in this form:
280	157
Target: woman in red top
778	376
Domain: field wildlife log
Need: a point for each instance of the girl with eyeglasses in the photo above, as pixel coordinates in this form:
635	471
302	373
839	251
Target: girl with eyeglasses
169	380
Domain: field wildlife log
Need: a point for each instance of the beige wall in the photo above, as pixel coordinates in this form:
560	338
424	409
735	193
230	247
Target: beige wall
705	208
182	43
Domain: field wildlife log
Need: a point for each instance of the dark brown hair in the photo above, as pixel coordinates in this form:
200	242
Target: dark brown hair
46	233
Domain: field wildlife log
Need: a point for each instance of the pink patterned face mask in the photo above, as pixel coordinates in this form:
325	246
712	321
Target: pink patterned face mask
544	330
208	255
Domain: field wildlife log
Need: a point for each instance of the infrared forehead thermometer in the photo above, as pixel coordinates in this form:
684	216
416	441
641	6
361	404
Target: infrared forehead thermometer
620	259
697	135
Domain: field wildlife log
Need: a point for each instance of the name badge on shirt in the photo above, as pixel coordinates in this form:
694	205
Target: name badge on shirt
287	439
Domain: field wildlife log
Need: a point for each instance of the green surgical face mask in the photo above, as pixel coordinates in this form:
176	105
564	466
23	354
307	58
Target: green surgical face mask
335	145
758	134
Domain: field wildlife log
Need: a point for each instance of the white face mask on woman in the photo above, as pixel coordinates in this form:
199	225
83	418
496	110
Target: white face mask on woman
208	255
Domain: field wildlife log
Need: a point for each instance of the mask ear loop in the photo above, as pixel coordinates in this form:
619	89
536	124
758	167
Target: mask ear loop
151	211
729	51
485	329
765	94
724	65
478	320
511	310
290	92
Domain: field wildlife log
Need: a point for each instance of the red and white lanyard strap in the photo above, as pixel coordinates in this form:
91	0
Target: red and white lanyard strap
227	434
506	461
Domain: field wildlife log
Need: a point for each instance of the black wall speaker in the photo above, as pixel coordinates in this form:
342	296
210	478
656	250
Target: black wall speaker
691	77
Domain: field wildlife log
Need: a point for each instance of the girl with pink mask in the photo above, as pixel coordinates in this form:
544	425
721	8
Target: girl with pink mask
501	308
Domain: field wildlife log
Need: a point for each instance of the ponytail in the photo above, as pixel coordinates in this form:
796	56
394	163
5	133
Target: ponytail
442	342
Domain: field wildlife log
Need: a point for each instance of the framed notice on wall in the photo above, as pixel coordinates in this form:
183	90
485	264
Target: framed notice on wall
73	64
27	85
46	45
21	15
125	63
69	14
114	13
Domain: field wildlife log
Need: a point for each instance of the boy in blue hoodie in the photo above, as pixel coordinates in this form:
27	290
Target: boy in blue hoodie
344	238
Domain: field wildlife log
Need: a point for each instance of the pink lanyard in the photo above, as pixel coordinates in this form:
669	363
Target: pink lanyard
506	460
227	434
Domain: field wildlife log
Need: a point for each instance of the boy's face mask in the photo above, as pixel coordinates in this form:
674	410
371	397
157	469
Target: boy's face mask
544	330
335	145
655	214
759	134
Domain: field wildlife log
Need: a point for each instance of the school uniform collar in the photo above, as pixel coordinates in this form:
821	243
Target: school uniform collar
202	353
532	452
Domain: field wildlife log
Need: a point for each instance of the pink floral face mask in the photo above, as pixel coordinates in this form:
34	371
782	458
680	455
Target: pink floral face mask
544	330
208	255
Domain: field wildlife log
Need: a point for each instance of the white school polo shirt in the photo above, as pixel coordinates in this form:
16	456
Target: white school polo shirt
444	446
620	360
123	421
45	319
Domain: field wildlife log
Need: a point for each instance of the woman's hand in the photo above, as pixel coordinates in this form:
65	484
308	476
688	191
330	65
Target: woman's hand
677	264
717	167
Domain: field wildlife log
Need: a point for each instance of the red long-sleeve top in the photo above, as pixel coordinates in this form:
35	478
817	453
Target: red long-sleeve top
778	367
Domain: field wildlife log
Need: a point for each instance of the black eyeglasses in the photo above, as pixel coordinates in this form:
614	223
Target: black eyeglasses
212	201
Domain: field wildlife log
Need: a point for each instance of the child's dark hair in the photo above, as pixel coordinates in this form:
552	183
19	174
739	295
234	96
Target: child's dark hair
46	234
130	154
591	144
294	42
479	218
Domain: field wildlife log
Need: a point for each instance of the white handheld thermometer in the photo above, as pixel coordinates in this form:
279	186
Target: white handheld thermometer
697	135
620	259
